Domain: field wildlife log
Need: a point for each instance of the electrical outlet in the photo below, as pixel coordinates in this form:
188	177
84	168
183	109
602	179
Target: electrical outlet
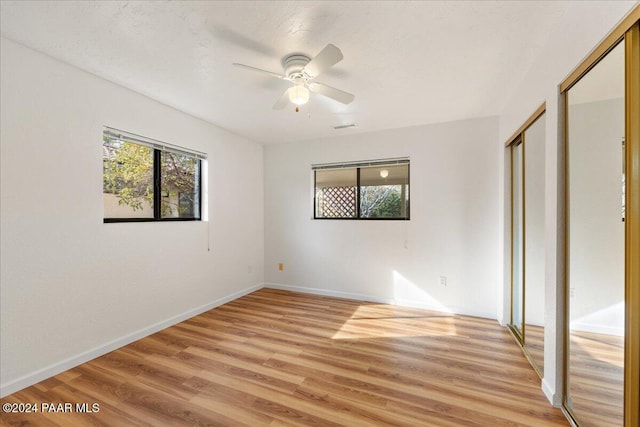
572	292
281	266
249	269
443	280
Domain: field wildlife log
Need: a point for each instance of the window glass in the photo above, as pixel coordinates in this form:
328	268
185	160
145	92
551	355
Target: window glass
180	186
336	193
127	179
149	180
384	191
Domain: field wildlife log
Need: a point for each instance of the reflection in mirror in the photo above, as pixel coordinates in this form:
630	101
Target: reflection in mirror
517	235
596	244
534	139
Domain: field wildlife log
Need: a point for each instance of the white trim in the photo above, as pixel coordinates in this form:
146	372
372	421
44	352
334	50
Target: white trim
113	133
597	329
371	298
325	292
549	392
363	163
72	362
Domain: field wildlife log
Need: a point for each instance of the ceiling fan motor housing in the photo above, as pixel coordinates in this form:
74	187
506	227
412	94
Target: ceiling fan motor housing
294	64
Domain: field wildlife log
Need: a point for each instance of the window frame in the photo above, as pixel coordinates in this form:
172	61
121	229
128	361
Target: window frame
358	166
158	148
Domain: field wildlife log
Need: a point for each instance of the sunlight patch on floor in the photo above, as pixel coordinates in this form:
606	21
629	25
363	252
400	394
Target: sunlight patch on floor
608	349
388	321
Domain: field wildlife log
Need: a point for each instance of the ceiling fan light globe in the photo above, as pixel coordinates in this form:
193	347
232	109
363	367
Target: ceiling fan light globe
299	95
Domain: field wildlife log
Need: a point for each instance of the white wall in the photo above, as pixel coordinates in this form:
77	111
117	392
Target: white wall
73	287
586	24
452	231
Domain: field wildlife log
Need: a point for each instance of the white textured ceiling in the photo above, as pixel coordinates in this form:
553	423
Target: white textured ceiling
408	63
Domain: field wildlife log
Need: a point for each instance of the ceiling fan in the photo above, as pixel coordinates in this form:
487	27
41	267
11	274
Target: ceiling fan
301	71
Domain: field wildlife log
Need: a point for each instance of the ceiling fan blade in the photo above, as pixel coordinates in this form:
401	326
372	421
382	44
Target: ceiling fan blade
283	101
327	57
248	67
331	92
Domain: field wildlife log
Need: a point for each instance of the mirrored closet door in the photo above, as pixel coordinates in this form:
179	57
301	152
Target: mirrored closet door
534	258
527	238
602	252
517	239
596	243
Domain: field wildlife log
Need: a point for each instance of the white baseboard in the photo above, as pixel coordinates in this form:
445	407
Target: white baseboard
597	329
71	362
549	392
371	298
325	292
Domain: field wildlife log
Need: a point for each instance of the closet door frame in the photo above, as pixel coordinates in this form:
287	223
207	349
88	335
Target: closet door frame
518	138
629	31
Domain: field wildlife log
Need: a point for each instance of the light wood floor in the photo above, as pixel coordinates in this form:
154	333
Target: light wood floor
534	342
597	379
597	375
276	358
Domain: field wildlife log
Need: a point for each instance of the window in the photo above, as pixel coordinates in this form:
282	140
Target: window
180	183
148	180
365	190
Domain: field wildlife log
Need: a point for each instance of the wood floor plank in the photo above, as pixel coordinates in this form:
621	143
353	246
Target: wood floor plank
597	378
279	358
534	342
